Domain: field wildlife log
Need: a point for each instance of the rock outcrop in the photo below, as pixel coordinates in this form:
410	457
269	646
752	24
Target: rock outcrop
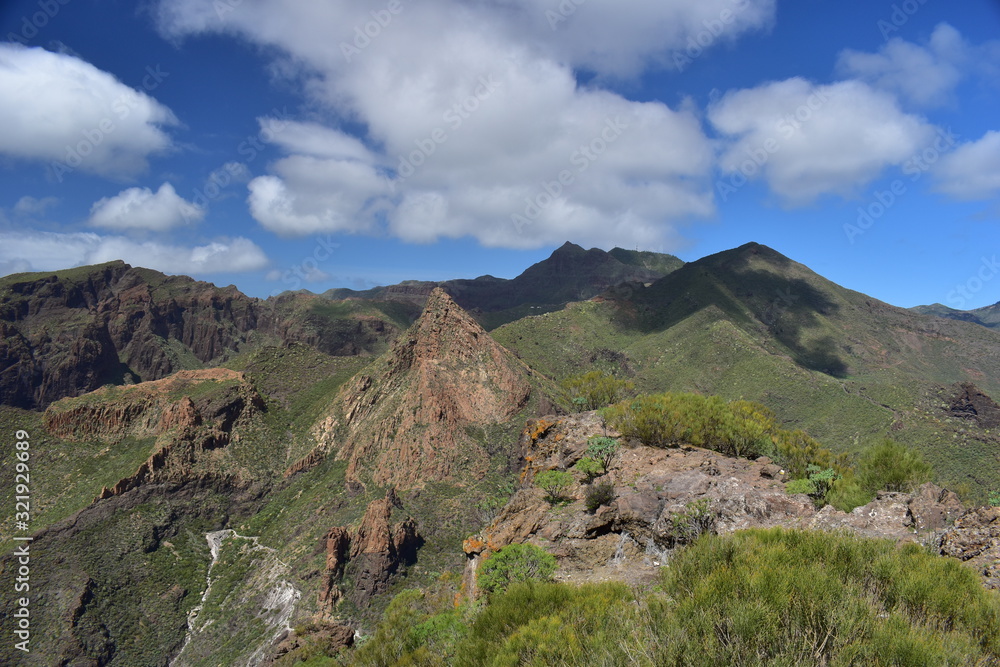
971	403
404	421
186	431
370	555
975	540
660	493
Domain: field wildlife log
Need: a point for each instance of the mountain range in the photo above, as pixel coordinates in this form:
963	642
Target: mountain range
209	469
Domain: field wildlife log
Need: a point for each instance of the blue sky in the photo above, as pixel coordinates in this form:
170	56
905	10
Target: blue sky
286	145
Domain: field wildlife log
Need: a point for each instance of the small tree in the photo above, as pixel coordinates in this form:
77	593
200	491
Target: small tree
590	467
604	449
892	467
515	563
596	389
555	483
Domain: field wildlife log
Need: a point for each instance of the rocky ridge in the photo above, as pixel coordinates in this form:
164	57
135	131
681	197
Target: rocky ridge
404	421
187	432
655	490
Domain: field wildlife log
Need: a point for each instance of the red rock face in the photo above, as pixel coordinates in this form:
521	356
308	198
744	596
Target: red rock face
376	551
404	422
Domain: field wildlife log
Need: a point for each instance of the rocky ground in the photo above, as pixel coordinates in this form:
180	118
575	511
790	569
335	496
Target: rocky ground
632	536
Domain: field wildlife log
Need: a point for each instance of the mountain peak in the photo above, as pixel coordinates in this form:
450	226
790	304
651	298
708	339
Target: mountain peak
569	246
403	422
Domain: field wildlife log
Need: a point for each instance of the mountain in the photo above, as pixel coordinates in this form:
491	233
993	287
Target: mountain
987	316
208	470
403	422
168	514
571	273
751	323
69	332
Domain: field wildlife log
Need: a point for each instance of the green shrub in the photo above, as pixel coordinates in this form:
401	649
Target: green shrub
659	420
804	597
796	451
589	467
739	428
595	389
696	518
846	493
891	466
800	486
394	637
604	449
555	483
994	499
754	597
515	563
599	494
554	624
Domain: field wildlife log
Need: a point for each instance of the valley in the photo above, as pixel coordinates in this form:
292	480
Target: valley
220	479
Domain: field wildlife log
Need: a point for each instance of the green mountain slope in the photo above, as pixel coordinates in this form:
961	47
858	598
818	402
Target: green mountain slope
751	323
987	316
571	273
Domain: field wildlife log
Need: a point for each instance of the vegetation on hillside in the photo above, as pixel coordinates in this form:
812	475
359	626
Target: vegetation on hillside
595	389
748	429
757	597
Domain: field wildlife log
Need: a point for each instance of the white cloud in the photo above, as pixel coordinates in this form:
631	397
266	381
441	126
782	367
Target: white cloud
470	132
50	251
808	140
62	110
31	206
312	195
617	39
314	140
925	75
972	170
141	208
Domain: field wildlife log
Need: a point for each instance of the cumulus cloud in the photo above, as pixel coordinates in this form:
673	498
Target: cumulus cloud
493	118
807	140
972	170
50	251
141	208
924	75
617	39
62	110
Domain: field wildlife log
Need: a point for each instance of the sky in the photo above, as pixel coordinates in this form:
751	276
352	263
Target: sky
308	144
